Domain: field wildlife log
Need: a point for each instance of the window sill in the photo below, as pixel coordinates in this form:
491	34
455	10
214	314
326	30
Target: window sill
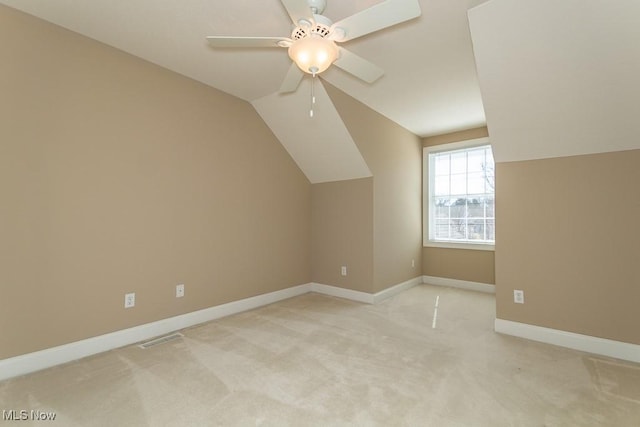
456	245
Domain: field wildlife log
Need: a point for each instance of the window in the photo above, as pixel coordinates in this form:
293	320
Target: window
460	195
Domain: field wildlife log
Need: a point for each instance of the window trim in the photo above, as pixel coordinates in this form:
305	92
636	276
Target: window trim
428	189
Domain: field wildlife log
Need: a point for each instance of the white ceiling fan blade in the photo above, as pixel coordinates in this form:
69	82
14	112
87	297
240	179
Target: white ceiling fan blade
297	10
292	80
231	41
358	66
382	15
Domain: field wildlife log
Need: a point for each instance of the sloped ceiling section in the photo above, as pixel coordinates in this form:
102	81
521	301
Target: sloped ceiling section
429	87
558	78
320	145
172	34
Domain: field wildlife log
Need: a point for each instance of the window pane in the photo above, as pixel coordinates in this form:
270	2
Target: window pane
476	160
491	229
442	164
475	208
442	208
476	229
490	180
490	203
458	184
459	208
490	172
442	230
458	229
476	183
459	162
441	185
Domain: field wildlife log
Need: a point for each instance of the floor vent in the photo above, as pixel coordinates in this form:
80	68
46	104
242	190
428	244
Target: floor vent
160	340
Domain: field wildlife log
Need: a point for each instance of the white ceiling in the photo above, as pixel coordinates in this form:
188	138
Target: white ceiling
430	85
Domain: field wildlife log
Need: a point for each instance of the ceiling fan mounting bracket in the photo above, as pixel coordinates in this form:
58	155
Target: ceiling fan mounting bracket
317	6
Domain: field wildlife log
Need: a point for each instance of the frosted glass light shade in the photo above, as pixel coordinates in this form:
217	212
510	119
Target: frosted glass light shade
313	54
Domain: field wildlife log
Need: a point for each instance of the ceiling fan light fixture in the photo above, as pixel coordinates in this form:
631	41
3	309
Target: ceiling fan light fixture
313	54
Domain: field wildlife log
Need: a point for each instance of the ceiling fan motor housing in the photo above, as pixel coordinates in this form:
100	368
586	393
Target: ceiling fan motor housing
318	30
313	43
320	26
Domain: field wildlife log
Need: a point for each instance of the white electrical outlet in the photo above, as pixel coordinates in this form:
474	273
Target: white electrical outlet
179	290
129	300
343	270
518	296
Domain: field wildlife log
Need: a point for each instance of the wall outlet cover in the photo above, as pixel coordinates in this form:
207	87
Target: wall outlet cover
129	300
518	296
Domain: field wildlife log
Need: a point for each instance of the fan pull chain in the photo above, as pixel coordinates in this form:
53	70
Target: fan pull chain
313	96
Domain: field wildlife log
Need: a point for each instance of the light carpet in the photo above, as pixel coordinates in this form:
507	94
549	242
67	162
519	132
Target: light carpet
315	360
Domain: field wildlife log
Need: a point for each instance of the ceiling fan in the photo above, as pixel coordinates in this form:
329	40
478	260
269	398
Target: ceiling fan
312	44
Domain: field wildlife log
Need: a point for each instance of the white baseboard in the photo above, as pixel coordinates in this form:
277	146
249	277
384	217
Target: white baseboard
335	291
586	343
43	359
365	297
36	361
461	284
395	290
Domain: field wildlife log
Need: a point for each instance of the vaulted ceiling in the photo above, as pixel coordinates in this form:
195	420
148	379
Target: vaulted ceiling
557	77
429	86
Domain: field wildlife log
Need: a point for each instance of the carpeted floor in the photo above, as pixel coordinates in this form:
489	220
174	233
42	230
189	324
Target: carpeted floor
314	360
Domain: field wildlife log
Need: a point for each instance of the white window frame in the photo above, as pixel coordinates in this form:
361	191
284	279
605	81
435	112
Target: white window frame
428	191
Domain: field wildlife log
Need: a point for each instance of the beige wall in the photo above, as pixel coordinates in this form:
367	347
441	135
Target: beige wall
568	234
462	264
394	156
119	176
342	233
464	135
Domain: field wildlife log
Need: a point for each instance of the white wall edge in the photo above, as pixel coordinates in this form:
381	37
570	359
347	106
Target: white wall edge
452	245
395	290
335	291
462	284
32	362
586	343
